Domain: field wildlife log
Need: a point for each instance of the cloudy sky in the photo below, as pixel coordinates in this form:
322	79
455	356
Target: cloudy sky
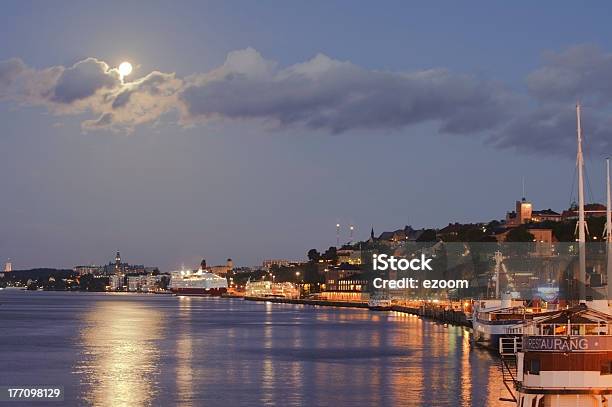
249	129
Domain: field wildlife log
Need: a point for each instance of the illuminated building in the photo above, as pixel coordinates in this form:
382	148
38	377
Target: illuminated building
349	256
545	215
115	282
521	215
221	269
91	269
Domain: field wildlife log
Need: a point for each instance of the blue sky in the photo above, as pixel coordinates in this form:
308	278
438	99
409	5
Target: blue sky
273	171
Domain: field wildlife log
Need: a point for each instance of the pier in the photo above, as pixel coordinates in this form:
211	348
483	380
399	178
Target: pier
448	312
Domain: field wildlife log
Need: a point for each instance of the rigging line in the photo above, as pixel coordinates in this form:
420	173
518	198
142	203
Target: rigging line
586	148
572	189
588	182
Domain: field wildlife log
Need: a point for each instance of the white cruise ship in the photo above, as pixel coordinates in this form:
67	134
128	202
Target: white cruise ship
201	282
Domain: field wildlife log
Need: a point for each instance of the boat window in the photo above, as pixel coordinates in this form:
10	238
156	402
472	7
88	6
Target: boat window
534	366
561	329
606	367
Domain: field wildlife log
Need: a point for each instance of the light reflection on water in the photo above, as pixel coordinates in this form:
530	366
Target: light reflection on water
119	363
131	350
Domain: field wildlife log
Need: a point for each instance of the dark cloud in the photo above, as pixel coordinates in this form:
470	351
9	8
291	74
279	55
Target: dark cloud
581	72
336	96
10	71
83	80
327	94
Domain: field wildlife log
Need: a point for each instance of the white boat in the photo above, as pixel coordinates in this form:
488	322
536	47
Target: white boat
198	283
380	304
565	359
493	319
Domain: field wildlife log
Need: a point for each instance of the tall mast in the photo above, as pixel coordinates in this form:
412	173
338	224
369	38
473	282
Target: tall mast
581	221
609	229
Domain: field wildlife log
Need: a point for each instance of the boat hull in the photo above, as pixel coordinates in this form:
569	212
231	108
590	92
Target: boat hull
379	308
199	292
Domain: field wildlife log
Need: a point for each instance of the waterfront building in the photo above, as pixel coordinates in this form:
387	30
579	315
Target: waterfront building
345	283
334	274
91	269
269	289
133	283
151	283
115	282
8	266
143	283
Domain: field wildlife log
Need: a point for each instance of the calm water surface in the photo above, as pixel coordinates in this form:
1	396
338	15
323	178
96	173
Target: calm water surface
132	350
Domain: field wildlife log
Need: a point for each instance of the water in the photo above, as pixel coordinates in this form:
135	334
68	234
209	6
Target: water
138	350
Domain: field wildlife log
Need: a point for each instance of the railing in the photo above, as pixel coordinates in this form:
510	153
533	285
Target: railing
510	345
508	348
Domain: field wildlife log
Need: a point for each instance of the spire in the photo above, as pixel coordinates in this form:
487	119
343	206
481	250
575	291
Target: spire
372	233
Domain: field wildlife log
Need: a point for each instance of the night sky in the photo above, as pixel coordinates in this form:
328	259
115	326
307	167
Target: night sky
249	129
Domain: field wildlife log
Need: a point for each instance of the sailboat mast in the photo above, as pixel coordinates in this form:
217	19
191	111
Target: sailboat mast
581	221
609	229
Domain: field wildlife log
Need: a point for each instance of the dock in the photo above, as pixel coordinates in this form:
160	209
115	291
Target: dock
446	312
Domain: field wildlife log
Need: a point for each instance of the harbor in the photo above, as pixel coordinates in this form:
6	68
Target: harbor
143	349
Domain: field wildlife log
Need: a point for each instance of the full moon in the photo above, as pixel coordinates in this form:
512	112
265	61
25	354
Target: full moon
125	68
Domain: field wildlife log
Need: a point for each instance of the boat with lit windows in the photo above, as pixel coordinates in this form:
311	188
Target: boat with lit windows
495	319
198	283
565	359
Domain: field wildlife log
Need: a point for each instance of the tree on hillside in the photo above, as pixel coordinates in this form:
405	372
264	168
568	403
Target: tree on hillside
314	255
428	235
331	254
519	234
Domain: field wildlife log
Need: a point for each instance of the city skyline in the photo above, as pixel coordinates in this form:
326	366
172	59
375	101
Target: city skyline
248	135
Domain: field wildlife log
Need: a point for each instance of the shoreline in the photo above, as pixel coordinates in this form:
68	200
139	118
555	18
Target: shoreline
432	313
435	313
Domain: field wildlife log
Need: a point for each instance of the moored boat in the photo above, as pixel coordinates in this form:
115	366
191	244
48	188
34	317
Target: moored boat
566	360
379	304
198	283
